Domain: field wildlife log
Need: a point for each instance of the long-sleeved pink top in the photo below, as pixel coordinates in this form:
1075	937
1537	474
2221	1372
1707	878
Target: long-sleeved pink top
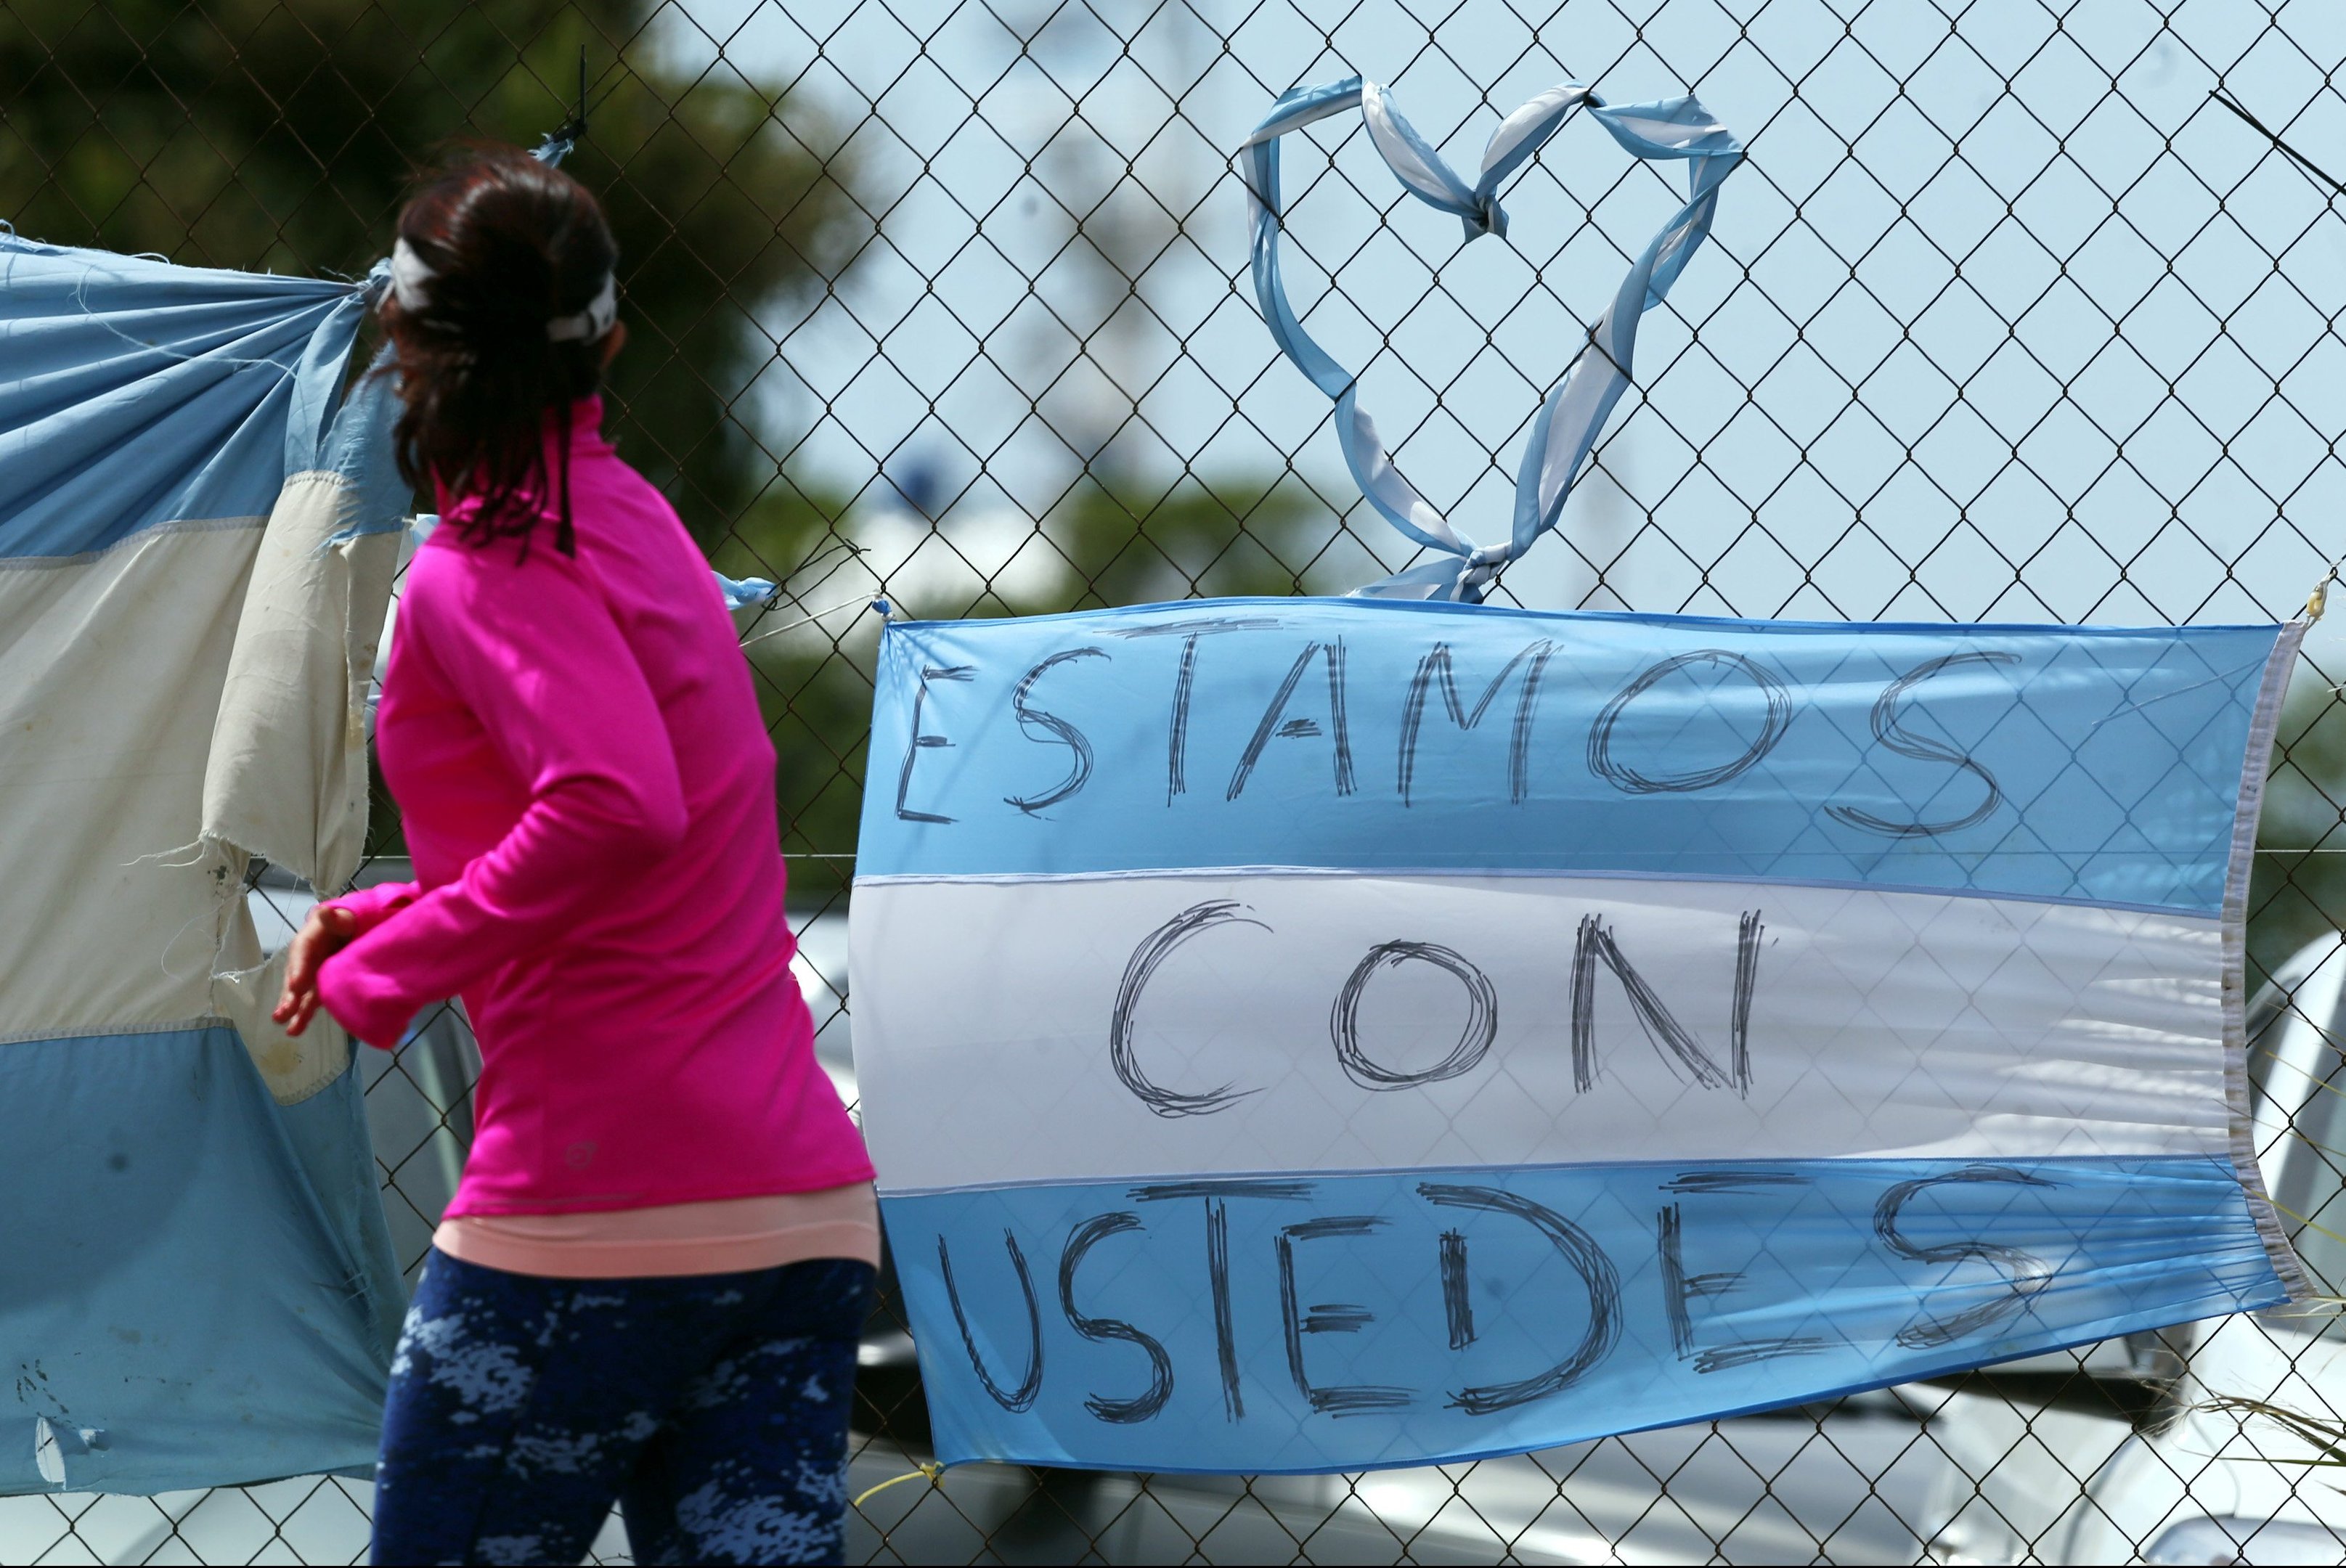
588	795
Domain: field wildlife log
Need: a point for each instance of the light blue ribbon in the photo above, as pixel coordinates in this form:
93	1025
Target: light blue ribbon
1573	413
744	593
559	142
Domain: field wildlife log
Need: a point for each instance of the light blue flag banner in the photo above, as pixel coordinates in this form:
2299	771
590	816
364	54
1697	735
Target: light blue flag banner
196	534
1328	1033
1573	415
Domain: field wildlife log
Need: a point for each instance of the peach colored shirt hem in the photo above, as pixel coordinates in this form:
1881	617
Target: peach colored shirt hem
731	1235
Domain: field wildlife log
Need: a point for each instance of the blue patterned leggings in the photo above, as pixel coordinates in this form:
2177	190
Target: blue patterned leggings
713	1407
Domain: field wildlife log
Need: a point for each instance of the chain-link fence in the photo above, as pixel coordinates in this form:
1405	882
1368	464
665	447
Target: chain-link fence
2007	316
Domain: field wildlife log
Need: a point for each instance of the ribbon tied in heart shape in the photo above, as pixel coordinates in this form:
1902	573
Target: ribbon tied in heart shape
1574	411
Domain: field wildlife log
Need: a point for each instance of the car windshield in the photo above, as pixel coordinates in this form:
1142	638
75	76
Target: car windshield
2299	1072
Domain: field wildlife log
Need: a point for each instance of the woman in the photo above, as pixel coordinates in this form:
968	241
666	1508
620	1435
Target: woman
651	1279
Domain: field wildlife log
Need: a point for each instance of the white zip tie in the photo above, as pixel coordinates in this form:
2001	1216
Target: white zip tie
808	620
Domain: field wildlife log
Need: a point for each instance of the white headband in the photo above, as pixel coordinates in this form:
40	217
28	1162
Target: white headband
409	274
592	323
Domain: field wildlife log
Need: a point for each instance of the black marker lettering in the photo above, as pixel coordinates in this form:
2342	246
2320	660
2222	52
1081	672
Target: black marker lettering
1587	1259
912	751
1218	1284
1457	1298
1675	1291
1679	1288
1222	1186
1474	1040
1155	948
1749	1353
2025	1272
1050	729
1631	781
1214	1190
1746	1179
1176	739
1338	730
1674	1041
1143	1406
1438	666
1748	932
1177	736
1329	1317
1023	1397
1906	743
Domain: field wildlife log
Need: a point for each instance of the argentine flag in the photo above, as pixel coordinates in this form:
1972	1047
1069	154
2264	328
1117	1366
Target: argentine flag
1315	1035
197	539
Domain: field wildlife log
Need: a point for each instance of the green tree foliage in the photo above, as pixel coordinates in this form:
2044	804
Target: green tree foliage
283	135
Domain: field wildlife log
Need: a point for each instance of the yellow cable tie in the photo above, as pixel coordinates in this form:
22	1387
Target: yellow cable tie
933	1471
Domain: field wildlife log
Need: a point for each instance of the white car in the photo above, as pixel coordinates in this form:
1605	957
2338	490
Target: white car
2179	1482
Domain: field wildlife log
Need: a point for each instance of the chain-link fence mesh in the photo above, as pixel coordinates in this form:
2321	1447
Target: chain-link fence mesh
2005	317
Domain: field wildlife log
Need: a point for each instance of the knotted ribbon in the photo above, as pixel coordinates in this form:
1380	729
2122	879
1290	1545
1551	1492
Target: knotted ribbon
1574	411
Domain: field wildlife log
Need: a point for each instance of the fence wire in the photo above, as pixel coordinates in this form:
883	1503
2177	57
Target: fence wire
2005	317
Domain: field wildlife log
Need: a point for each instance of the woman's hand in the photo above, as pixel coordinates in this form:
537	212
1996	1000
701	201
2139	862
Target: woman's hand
326	933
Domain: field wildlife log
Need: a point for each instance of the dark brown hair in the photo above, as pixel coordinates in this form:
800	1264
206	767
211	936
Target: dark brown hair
513	243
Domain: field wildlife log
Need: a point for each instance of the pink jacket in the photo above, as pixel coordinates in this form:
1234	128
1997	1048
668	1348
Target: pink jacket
588	795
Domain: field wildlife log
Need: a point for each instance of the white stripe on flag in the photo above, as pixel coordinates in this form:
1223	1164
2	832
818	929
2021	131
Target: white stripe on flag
109	684
1045	1029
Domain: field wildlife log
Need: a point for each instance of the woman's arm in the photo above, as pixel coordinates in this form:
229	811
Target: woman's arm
531	649
370	907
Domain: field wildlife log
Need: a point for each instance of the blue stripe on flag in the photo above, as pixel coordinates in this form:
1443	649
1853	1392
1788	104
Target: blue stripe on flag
2096	764
191	1246
141	393
1321	1323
